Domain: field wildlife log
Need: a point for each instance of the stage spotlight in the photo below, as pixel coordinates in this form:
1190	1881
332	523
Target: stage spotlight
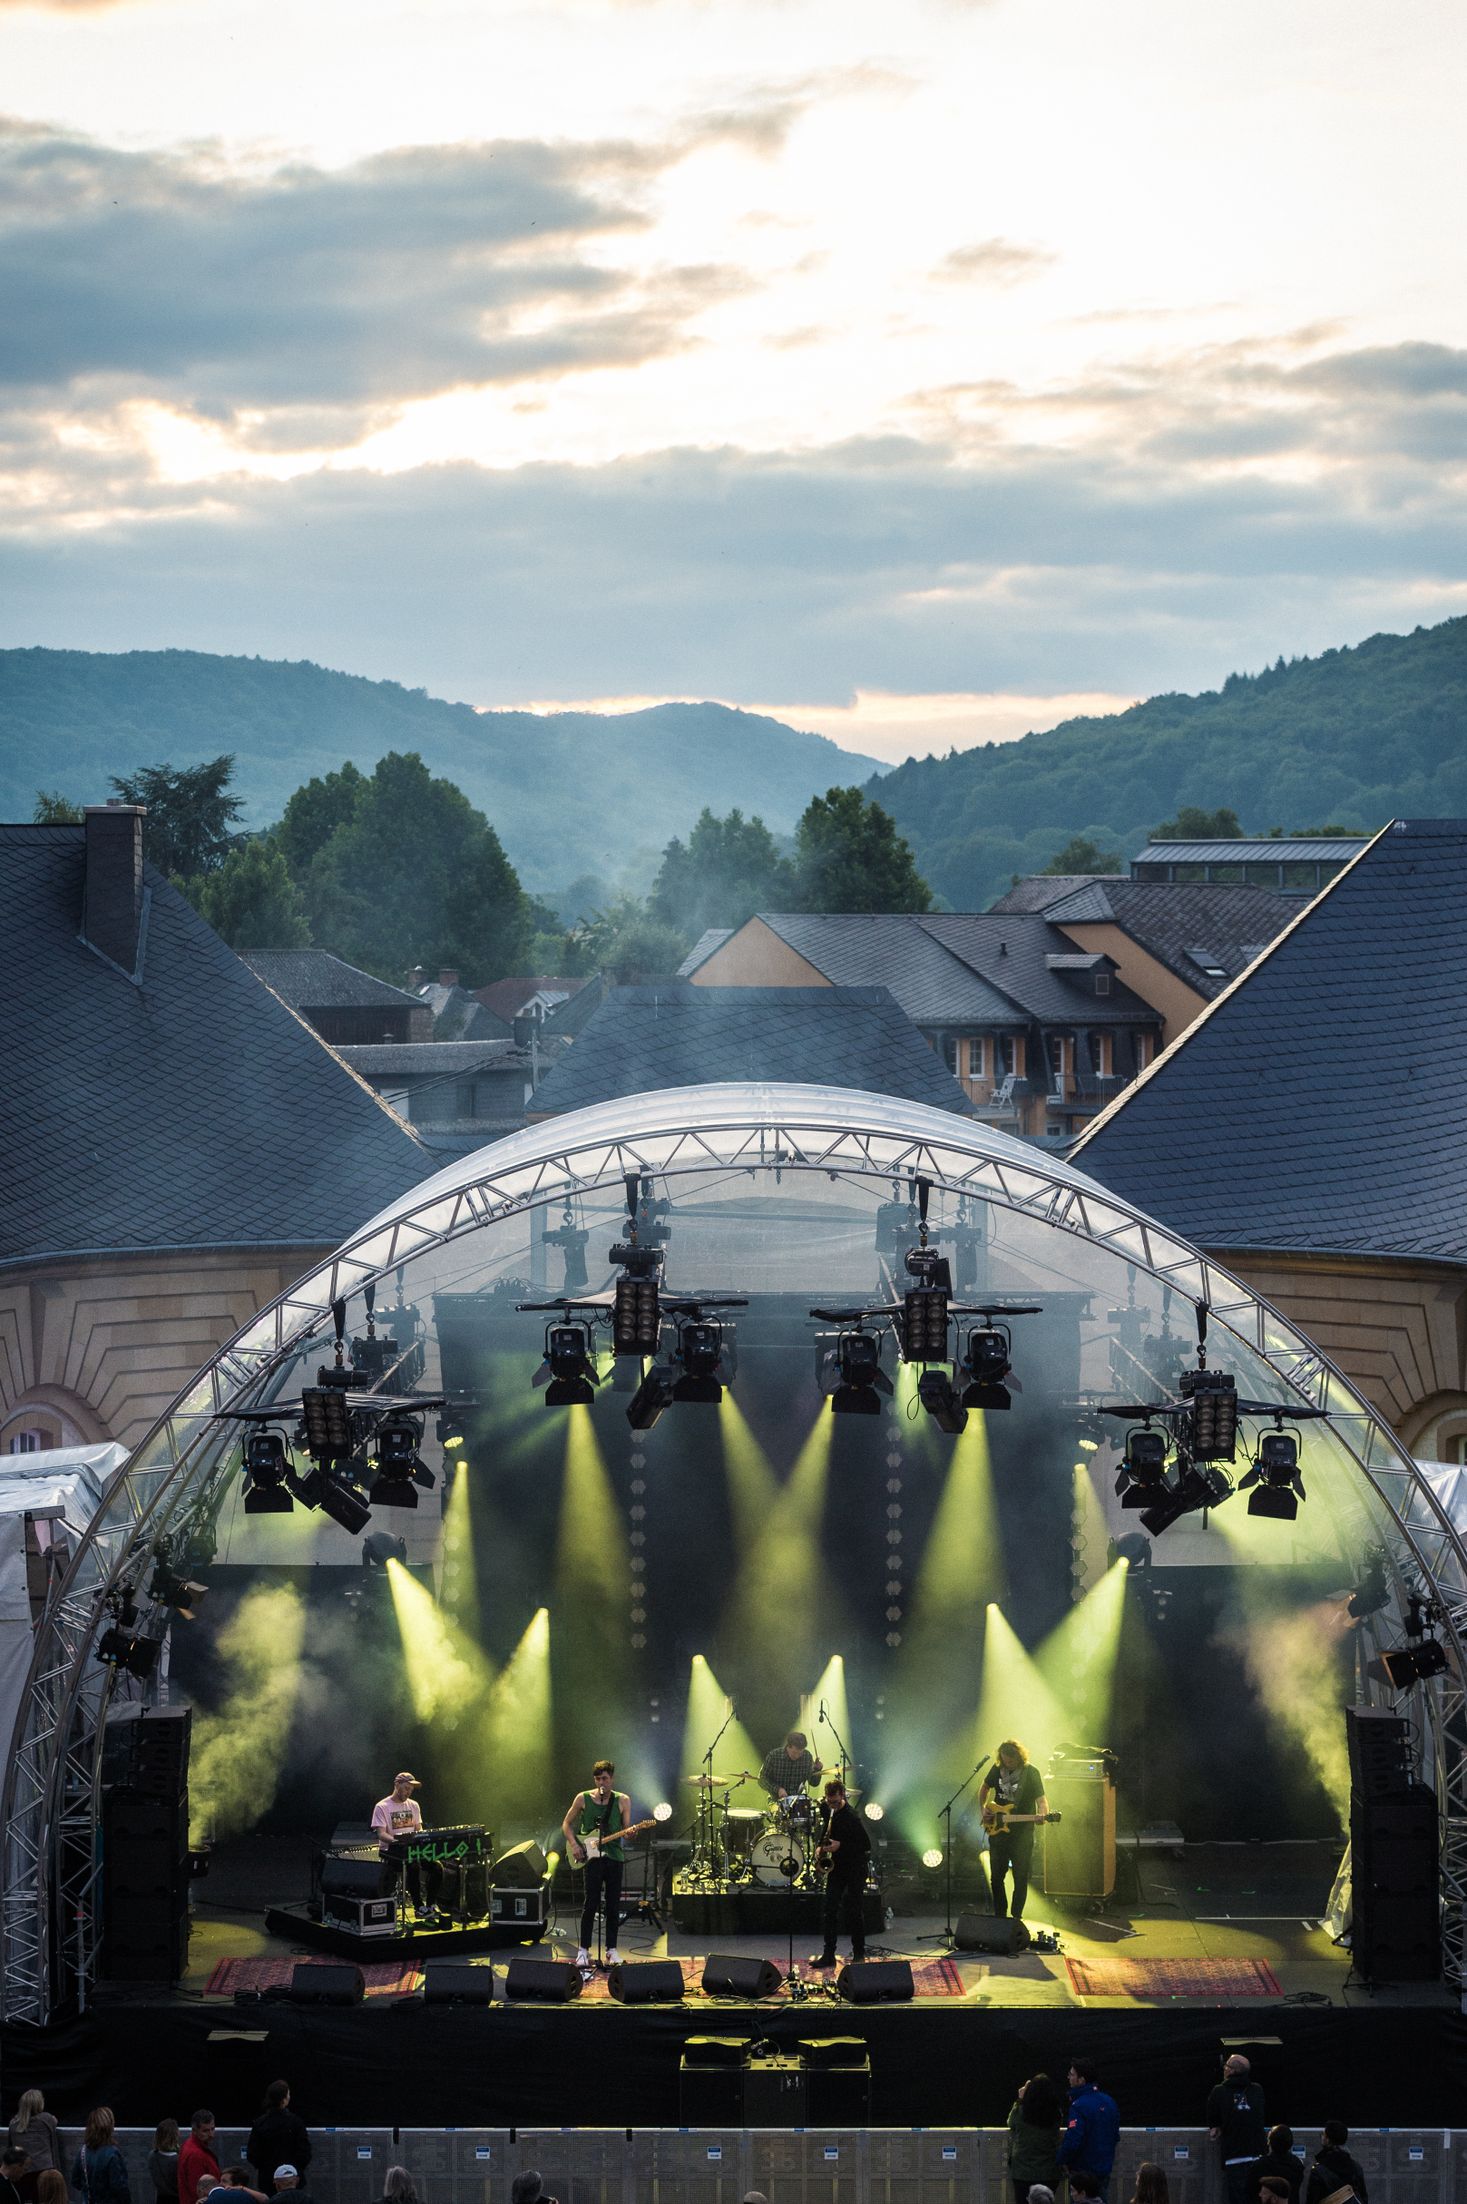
1141	1478
135	1656
932	1857
852	1375
1133	1549
326	1422
380	1547
873	1811
267	1466
700	1352
1196	1490
657	1391
987	1364
1413	1664
569	1367
662	1811
940	1397
338	1495
1372	1593
449	1429
400	1469
1212	1399
169	1589
1276	1486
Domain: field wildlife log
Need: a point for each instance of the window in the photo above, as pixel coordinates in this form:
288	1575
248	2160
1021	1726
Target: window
1102	983
977	1056
950	1053
1102	1055
1061	1062
463	1098
27	1442
1011	1055
1145	1050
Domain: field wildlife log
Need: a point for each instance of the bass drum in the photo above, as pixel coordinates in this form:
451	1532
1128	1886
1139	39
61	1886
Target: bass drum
777	1860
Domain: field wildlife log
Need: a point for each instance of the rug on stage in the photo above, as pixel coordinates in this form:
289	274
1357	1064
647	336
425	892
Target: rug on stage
1158	1978
389	1978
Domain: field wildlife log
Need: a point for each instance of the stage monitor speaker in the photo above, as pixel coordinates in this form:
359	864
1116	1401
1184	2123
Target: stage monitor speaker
982	1932
876	1982
553	1981
357	1878
646	1982
728	1974
326	1982
457	1982
714	2050
821	2051
522	1868
1077	1853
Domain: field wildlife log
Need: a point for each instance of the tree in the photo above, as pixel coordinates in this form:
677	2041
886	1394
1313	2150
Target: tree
628	942
1193	825
54	809
314	813
728	869
850	857
251	899
191	814
1083	855
413	874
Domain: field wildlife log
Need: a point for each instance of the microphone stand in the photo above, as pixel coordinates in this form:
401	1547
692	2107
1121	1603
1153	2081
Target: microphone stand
946	1813
707	1806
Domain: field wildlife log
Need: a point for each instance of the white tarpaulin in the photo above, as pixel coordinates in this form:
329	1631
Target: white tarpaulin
57	1493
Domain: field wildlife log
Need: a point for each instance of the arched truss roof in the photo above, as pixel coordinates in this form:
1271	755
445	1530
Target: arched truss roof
50	1794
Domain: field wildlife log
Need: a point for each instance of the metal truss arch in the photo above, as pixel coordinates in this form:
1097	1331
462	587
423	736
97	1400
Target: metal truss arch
47	1909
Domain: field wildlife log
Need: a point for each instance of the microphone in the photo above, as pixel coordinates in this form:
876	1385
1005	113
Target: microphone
822	1715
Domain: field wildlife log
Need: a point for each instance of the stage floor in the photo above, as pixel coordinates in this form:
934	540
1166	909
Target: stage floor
1203	1926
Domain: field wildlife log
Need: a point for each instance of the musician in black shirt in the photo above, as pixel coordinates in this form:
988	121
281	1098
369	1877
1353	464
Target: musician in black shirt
845	1844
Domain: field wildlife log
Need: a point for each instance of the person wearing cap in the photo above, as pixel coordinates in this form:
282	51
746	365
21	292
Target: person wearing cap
290	2182
400	1815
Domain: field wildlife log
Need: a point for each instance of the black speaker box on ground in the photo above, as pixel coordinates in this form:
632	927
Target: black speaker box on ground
710	2096
981	1932
646	1982
727	1974
327	1982
457	1982
519	1869
875	1981
839	2096
555	1981
144	1884
776	2091
357	1878
714	2050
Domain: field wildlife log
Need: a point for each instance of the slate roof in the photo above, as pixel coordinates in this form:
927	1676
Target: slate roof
1320	1105
1174	922
679	1035
1012	952
506	998
427	1059
702	950
312	979
192	1110
866	949
1037	890
1249	852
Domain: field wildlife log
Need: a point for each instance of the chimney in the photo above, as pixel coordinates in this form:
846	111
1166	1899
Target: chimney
447	977
418	978
112	904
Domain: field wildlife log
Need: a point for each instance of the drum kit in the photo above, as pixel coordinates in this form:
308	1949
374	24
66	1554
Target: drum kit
770	1847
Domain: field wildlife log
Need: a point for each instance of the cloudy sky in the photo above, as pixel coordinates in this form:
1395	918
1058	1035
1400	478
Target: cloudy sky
919	370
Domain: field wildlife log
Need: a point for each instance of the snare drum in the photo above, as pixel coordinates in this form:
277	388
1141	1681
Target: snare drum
795	1811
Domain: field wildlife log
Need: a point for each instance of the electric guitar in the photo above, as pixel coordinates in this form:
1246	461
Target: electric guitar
998	1820
596	1843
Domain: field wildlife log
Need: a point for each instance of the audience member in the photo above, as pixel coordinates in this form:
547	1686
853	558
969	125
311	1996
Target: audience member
15	2188
233	2185
1088	2144
1273	2189
529	2188
289	2181
1278	2163
163	2162
99	2175
51	2187
1237	2124
399	2187
196	2158
1084	2189
1150	2186
1334	2167
34	2131
1036	2117
1040	2193
278	2134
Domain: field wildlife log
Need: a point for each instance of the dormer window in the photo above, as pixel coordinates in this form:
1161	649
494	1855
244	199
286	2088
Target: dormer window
1102	983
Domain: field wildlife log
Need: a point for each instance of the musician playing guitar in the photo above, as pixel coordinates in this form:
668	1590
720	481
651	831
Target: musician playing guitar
1013	1802
602	1818
843	1853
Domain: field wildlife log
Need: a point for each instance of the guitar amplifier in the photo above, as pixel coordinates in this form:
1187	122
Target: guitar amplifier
1079	1856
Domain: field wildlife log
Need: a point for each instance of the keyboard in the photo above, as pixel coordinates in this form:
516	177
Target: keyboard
468	1846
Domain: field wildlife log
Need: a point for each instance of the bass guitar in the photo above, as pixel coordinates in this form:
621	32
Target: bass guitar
596	1843
998	1820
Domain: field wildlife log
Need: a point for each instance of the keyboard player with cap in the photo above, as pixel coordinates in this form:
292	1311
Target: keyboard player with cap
400	1815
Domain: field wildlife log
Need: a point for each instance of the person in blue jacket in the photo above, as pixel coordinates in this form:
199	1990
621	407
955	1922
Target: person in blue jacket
1088	2144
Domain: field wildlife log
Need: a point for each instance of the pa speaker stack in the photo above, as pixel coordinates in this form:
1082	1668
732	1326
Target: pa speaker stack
1396	1934
145	1872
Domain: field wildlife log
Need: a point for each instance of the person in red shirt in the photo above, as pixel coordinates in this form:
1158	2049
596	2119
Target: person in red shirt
196	2157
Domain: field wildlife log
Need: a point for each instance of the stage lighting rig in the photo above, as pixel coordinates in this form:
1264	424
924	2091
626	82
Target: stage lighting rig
1274	1485
701	1360
1423	1655
400	1468
1141	1478
1193	1488
636	1312
122	1646
168	1588
267	1462
850	1373
569	1371
380	1547
988	1357
1372	1593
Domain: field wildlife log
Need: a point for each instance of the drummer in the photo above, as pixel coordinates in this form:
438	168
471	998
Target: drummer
790	1767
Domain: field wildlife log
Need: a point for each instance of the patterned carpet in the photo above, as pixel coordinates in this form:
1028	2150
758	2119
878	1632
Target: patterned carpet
393	1978
1153	1979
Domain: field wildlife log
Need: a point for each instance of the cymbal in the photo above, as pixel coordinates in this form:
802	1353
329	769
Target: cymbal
715	1782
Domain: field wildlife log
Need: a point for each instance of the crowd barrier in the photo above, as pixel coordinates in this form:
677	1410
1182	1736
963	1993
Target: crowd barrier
790	2165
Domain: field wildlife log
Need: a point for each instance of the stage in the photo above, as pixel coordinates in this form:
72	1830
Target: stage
1208	1942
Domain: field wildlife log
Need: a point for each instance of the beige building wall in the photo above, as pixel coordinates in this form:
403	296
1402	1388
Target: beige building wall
1174	1001
756	957
1397	1330
98	1349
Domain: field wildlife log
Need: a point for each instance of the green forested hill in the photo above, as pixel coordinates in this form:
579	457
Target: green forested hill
1352	738
568	793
